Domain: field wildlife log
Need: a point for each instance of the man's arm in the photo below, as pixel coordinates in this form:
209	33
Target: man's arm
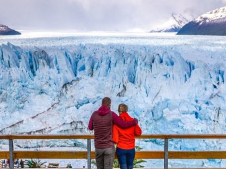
90	123
123	124
137	130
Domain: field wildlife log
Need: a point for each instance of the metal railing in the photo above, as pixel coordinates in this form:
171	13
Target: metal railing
166	154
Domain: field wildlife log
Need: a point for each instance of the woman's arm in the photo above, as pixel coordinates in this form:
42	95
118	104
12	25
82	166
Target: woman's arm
115	134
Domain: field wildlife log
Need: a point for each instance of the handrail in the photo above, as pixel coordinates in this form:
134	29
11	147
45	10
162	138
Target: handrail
154	136
11	154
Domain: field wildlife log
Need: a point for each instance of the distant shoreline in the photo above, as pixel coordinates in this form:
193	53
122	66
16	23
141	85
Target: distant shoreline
40	34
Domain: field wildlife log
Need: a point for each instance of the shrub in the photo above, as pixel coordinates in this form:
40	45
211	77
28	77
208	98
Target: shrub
35	163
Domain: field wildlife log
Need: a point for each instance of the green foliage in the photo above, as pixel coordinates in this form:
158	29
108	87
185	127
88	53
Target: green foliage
116	163
138	148
136	163
35	163
94	162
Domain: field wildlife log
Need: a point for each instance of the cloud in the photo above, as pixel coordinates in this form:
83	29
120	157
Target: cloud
97	15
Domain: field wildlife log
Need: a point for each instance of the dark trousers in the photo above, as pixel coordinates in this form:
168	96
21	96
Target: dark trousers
125	158
105	158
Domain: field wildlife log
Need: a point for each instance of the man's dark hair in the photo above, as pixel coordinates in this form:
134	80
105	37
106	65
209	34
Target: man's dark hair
106	101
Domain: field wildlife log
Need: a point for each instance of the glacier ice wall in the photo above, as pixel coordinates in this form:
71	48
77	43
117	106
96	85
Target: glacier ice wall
54	90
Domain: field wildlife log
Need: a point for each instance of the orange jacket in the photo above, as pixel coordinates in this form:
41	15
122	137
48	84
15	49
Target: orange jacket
125	138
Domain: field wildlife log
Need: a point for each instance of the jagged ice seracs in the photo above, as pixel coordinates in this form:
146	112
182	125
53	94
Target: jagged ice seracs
172	85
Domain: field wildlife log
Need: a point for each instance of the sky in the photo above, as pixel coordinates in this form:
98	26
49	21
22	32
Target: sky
98	15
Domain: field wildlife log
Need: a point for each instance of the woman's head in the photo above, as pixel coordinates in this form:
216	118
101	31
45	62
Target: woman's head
122	108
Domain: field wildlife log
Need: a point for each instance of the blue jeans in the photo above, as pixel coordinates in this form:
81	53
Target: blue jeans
125	158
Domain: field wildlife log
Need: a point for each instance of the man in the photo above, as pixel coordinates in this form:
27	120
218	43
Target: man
102	122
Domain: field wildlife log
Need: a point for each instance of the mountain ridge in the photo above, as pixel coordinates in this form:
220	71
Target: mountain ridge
209	23
5	30
174	24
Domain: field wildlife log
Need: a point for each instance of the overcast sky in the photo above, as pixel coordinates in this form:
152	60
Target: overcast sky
97	15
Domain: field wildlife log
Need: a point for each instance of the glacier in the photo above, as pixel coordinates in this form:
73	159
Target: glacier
172	85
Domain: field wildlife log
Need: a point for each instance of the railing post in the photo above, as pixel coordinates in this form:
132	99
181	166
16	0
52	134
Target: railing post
89	153
11	160
166	154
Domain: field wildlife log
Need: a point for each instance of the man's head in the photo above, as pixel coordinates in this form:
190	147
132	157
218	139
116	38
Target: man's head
106	101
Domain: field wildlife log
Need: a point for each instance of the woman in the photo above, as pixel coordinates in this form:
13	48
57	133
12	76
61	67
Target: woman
125	139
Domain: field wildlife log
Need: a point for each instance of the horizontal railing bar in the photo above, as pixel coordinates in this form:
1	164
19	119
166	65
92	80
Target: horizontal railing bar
156	136
139	154
46	137
4	155
52	154
197	154
183	136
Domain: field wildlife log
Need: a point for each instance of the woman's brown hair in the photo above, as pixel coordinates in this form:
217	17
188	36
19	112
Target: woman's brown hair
122	108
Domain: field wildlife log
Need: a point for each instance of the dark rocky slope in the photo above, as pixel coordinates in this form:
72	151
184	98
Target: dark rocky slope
210	23
5	30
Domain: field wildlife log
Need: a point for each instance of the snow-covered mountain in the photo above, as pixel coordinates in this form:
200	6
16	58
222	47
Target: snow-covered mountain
172	85
5	30
210	23
174	24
